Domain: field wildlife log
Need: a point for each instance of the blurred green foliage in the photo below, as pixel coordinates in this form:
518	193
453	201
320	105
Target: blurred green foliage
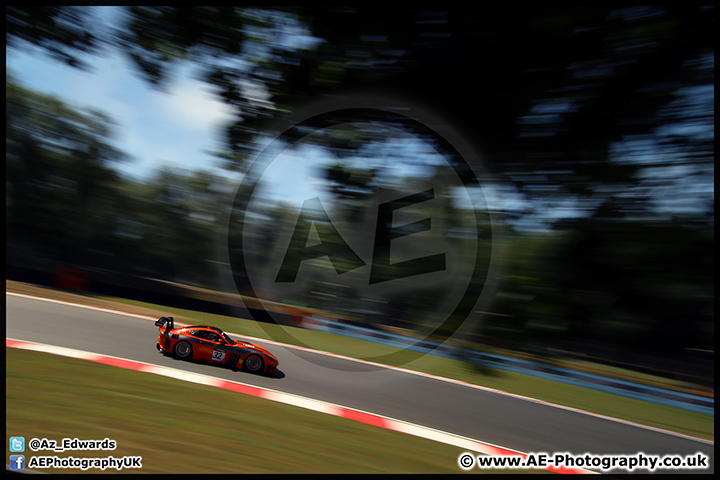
66	202
645	287
607	108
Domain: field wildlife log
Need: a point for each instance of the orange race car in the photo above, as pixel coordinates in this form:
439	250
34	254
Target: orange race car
210	344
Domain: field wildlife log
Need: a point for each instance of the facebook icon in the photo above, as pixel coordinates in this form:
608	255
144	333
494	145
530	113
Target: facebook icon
17	462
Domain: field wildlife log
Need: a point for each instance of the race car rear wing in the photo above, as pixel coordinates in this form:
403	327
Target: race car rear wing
166	322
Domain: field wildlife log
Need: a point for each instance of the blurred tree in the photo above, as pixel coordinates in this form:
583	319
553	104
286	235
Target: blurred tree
61	188
611	107
643	286
65	201
547	90
170	225
546	93
63	31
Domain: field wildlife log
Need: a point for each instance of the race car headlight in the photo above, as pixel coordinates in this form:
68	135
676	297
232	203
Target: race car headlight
271	360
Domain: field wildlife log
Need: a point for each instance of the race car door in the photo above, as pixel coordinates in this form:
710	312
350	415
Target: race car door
219	352
212	347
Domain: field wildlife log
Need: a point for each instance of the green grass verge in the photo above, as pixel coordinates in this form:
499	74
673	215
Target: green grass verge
630	409
180	427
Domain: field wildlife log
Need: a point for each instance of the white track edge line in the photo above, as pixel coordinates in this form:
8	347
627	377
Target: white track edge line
407	428
399	369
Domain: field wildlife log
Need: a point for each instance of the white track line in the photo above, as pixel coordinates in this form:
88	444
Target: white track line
399	369
289	399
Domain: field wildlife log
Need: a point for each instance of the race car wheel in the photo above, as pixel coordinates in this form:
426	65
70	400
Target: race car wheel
253	363
183	350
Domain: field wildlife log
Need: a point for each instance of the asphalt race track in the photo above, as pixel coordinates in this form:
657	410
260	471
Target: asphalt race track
481	415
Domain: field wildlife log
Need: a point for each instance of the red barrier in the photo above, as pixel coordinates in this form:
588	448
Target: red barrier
71	279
